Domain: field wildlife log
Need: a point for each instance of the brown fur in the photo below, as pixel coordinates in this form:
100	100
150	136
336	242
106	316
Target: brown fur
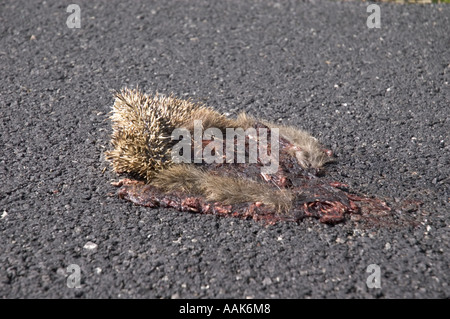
227	190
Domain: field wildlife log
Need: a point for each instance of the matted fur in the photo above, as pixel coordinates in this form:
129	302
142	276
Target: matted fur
227	190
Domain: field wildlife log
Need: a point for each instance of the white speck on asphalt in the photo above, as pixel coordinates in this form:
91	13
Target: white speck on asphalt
90	245
267	281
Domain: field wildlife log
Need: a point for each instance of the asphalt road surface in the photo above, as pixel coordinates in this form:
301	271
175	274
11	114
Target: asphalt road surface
378	97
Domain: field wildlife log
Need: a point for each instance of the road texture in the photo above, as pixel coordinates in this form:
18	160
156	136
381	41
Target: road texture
379	98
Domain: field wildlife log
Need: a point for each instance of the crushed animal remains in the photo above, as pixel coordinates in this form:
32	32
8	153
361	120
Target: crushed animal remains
243	167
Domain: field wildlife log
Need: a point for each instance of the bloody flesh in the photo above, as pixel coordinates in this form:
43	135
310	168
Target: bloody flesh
313	196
